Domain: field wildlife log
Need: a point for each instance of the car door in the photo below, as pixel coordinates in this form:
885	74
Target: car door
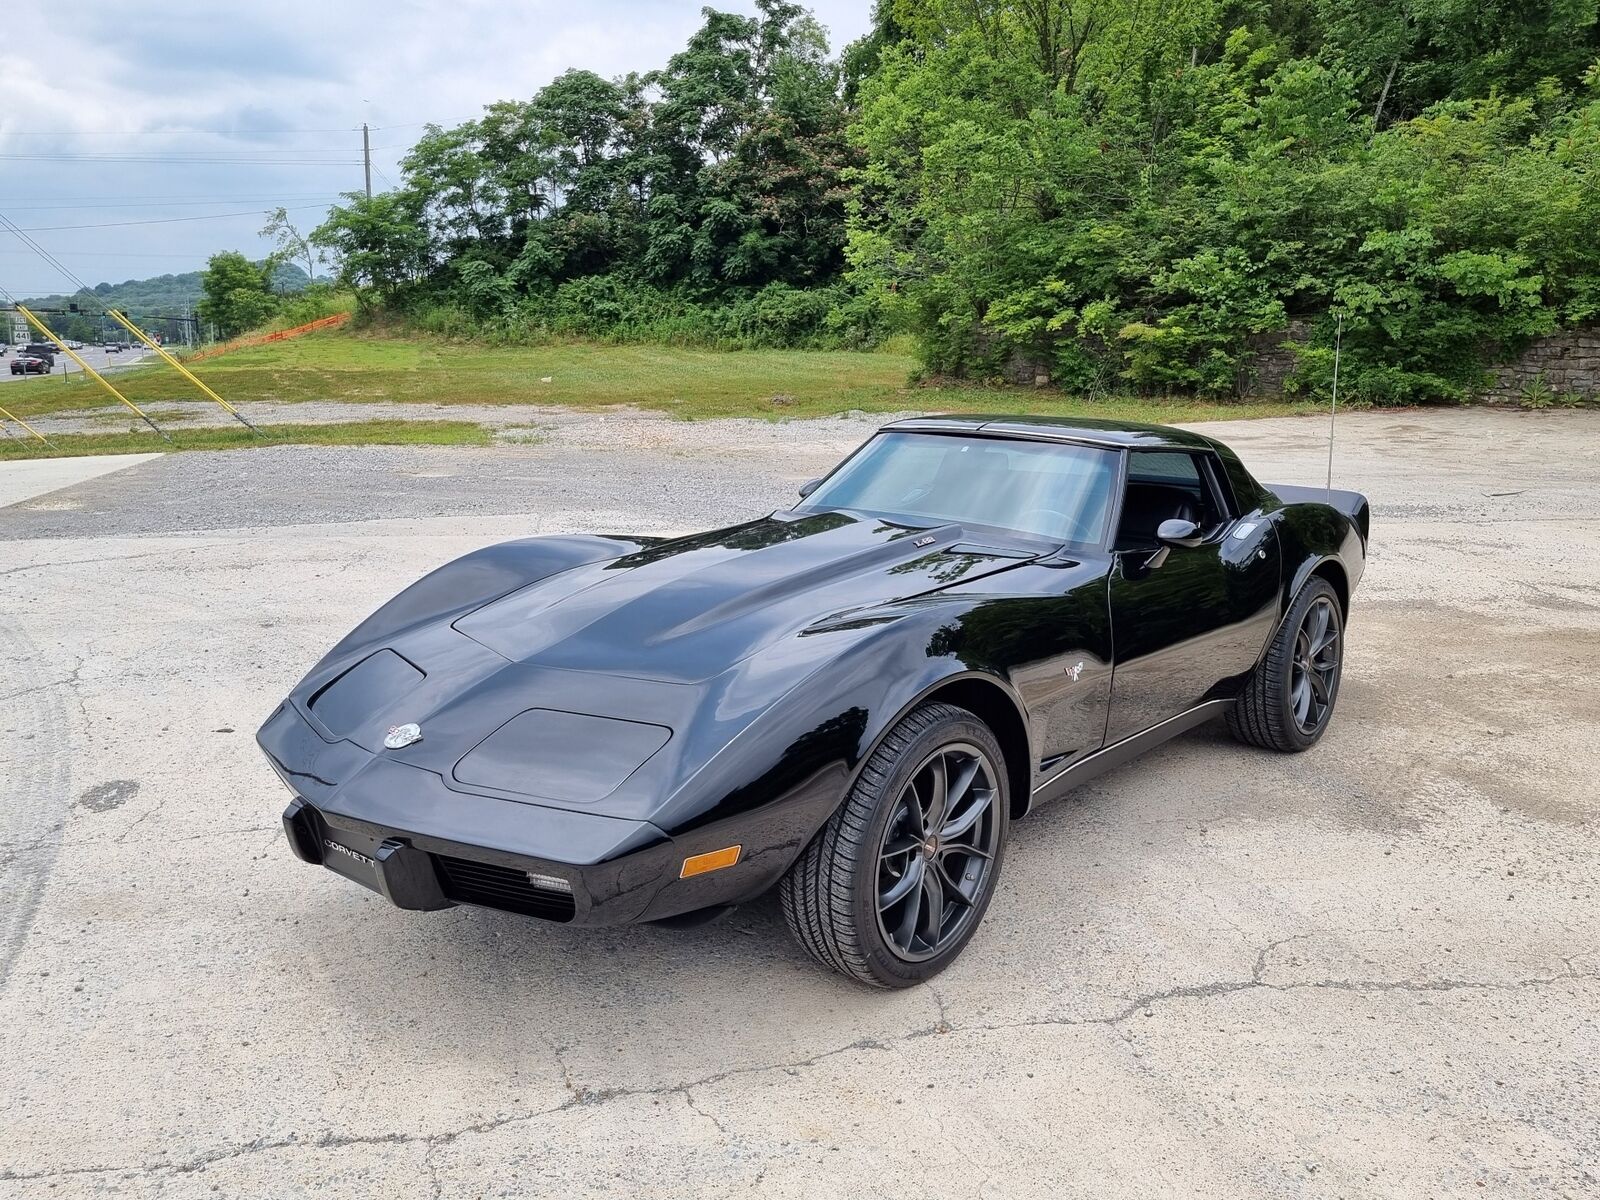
1188	621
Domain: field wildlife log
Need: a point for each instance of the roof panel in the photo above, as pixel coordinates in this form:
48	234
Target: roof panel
1092	430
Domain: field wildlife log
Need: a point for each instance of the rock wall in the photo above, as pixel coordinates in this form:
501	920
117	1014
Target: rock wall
1568	362
1274	358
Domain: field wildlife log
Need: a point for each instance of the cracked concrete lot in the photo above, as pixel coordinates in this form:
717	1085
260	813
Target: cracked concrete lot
1370	970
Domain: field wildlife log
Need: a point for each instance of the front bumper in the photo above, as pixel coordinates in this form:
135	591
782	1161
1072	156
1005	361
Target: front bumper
399	831
423	873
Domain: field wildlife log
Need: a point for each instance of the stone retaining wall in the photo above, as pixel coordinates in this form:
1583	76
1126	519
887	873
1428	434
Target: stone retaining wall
1569	363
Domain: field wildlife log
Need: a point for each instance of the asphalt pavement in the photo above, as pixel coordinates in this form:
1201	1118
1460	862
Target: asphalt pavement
95	356
1369	970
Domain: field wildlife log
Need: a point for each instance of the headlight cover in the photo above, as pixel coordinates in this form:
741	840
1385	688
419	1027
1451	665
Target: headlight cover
554	755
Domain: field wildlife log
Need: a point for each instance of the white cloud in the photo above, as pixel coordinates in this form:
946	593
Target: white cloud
116	83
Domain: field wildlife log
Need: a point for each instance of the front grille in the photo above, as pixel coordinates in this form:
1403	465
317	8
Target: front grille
469	882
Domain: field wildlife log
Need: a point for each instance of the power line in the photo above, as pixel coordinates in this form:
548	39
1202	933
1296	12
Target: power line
171	130
22	235
191	162
173	203
110	254
180	196
291	152
158	220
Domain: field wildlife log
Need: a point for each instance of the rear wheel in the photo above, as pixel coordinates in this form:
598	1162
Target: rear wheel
1289	700
896	883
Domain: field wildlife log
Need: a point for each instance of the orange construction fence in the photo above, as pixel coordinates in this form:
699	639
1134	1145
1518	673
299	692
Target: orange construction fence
261	339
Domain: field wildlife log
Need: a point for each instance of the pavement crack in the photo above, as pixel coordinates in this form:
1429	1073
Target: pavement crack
688	1098
433	1171
582	1096
943	1024
40	687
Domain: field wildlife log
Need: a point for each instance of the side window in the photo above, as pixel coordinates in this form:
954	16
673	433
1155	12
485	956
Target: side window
1163	485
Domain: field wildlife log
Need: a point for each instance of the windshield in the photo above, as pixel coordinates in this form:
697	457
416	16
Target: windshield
1055	491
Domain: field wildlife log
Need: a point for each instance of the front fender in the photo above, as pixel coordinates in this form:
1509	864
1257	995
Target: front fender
826	698
774	784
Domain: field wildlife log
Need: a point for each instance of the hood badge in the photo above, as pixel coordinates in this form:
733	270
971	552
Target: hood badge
925	541
401	736
1075	670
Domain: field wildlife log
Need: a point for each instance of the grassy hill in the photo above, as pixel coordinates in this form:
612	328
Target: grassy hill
162	292
174	295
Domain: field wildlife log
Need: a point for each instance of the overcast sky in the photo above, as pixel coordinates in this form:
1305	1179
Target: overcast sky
121	114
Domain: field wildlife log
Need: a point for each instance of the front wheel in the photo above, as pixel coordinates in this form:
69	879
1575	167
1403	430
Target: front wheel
896	883
1289	700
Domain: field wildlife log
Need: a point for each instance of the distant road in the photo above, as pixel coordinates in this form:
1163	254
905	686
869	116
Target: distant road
94	356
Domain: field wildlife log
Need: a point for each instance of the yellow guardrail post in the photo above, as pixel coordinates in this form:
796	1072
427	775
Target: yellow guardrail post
10	416
177	366
90	371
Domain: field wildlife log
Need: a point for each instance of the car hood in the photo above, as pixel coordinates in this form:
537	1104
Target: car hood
685	610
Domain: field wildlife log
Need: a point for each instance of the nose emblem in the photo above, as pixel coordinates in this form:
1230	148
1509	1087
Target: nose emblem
401	736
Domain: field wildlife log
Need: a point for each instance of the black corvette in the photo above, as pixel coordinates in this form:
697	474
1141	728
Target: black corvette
851	699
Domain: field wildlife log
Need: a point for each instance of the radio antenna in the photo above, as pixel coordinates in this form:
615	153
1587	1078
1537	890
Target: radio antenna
1333	409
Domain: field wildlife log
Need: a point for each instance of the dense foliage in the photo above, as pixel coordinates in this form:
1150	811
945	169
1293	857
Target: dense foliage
239	295
1145	191
701	202
1128	193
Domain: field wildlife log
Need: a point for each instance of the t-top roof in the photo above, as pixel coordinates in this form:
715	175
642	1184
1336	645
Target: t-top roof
1115	434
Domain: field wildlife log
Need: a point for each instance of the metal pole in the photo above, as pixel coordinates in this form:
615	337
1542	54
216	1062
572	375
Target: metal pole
366	157
90	371
12	417
1333	409
121	318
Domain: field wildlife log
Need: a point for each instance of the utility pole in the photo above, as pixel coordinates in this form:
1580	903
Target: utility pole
366	157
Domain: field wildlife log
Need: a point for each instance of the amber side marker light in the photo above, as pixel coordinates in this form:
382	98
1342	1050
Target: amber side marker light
712	860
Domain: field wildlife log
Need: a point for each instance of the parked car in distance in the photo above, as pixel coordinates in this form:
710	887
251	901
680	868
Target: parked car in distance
28	364
111	348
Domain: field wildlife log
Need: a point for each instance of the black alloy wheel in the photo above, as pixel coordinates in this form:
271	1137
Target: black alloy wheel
895	884
1289	700
937	852
1314	676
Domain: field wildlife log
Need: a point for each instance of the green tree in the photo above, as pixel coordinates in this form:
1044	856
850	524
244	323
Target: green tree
1142	194
237	293
292	245
381	243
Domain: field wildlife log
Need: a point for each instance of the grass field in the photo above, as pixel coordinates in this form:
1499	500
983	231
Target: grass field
688	382
237	437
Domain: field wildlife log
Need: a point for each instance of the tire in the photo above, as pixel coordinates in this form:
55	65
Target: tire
1289	700
834	896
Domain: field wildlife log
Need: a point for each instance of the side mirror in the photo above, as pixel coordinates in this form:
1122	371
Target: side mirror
810	486
1178	532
